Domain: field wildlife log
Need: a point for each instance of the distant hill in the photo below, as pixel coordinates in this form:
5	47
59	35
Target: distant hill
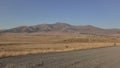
61	27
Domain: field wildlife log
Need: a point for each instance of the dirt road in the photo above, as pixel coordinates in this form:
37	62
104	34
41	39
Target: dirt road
93	58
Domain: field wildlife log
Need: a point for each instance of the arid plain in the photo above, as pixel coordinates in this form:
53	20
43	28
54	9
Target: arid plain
14	44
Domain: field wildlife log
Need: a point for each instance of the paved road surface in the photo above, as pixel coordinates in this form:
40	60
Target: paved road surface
93	58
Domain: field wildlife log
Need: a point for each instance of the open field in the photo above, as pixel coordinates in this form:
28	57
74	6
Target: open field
22	44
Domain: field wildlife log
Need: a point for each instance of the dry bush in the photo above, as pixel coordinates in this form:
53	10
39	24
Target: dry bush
23	49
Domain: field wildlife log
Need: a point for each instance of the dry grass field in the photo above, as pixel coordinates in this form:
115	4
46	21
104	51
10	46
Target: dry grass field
22	44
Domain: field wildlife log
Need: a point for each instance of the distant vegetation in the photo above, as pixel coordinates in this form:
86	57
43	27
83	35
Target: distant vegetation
91	40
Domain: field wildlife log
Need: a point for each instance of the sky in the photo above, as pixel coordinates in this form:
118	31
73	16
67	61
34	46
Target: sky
100	13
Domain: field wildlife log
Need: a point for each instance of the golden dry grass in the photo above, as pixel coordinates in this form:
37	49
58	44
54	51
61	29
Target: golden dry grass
14	45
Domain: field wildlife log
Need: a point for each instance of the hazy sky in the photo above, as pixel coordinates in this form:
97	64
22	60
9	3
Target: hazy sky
101	13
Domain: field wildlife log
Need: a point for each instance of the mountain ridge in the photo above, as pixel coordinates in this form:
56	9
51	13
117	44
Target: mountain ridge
61	27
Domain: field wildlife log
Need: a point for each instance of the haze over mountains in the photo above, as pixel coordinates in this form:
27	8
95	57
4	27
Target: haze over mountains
62	27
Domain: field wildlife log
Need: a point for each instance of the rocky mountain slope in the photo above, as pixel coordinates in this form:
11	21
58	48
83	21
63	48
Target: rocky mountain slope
62	27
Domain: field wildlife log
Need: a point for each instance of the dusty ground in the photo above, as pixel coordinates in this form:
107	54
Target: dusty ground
23	44
93	58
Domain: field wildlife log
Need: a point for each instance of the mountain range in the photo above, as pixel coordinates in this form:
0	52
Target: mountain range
61	27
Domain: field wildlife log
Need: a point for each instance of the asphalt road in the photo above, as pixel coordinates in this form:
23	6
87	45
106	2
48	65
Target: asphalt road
93	58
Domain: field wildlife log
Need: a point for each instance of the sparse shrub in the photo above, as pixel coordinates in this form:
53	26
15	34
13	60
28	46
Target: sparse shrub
66	46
